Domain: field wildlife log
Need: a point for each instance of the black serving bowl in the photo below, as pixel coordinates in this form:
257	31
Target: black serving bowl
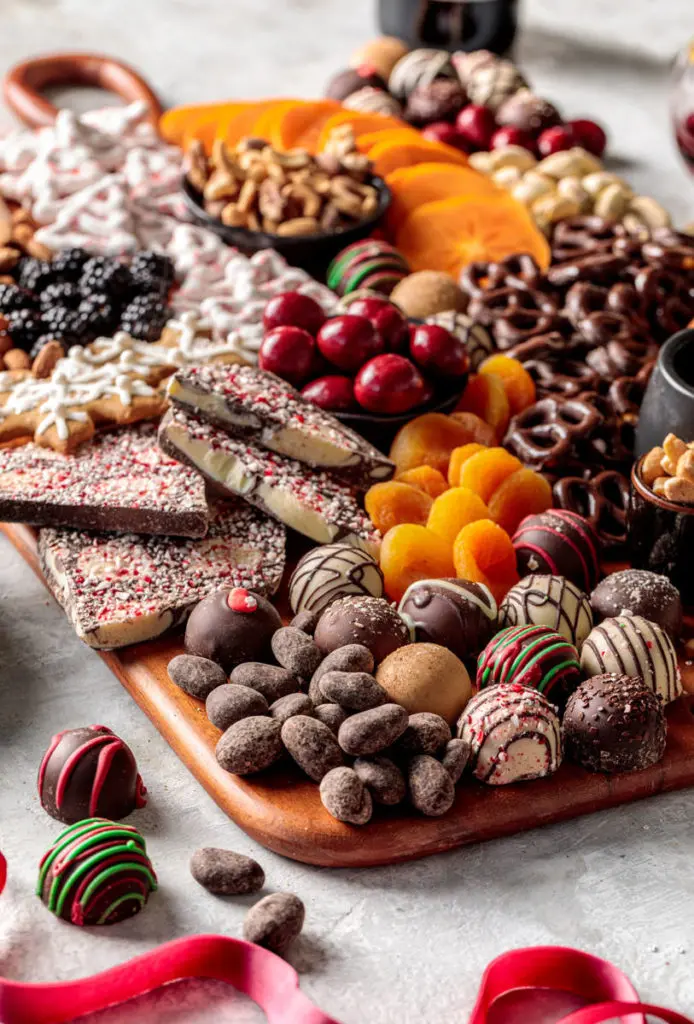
668	404
661	534
380	430
312	253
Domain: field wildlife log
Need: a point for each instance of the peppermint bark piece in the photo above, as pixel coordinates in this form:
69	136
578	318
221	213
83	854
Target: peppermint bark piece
309	501
119	481
253	403
120	589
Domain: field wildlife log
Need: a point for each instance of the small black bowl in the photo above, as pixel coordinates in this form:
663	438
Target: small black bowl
380	430
661	534
312	253
668	404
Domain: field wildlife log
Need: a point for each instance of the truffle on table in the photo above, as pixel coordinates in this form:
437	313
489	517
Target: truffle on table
532	656
456	614
560	543
331	571
552	601
232	626
369	621
631	645
344	83
639	592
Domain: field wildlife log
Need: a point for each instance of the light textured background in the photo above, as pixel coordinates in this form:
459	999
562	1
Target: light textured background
407	943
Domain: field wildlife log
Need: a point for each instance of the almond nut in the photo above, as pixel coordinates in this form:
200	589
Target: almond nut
46	360
17	359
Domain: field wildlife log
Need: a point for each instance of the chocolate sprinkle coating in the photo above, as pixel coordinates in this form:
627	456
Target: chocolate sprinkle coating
639	592
369	621
614	723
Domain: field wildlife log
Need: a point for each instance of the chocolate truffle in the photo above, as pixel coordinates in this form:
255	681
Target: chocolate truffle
614	723
456	614
476	338
560	543
492	82
631	645
528	112
440	100
373	101
426	293
426	677
369	621
532	656
639	592
550	601
382	54
89	773
514	735
330	572
96	872
232	626
344	83
419	67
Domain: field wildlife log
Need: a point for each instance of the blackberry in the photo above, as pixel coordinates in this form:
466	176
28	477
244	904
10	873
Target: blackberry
40	342
69	262
12	297
101	274
62	293
148	282
145	317
98	313
152	267
65	325
24	326
35	275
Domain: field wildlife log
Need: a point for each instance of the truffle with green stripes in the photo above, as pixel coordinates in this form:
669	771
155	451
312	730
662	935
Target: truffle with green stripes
96	872
371	264
533	656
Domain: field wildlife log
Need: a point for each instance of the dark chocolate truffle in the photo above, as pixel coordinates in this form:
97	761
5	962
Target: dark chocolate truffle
96	872
614	723
559	543
89	772
232	626
456	614
528	112
639	592
369	621
532	656
346	82
439	100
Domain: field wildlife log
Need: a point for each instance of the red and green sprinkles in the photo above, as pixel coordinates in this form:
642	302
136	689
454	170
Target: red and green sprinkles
534	656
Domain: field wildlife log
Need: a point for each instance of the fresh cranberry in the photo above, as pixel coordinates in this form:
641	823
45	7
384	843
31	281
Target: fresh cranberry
349	341
334	393
288	352
437	351
554	140
390	384
589	135
476	124
293	309
442	131
510	136
386	318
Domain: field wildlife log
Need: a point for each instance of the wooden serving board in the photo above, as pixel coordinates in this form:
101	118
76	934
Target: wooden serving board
283	812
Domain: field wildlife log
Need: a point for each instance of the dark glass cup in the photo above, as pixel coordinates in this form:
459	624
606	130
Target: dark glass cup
661	535
451	24
668	404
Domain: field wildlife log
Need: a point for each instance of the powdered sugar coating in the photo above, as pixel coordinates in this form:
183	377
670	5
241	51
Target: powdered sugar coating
117	481
122	589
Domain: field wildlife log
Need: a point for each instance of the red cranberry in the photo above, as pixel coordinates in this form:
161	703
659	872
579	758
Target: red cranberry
589	135
348	341
437	351
476	124
510	136
288	352
334	393
442	131
386	318
390	384
553	140
294	310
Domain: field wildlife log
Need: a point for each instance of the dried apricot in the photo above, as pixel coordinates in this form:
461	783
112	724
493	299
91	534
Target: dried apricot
426	479
481	432
458	457
391	503
410	553
428	440
518	384
454	510
483	553
487	470
523	493
486	397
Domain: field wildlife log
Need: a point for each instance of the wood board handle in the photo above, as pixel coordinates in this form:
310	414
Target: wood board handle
23	84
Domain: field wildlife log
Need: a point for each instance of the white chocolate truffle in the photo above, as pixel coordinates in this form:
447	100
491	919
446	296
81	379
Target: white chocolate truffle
332	571
630	645
554	601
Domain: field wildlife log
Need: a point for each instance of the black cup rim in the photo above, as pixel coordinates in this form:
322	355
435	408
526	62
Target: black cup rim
666	359
656	499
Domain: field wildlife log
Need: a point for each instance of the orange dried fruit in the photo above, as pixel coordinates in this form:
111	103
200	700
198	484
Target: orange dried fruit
389	155
361	122
243	122
453	510
366	141
178	122
428	440
480	431
391	503
458	457
523	493
485	396
439	178
485	471
426	479
448	234
483	553
518	384
300	125
409	553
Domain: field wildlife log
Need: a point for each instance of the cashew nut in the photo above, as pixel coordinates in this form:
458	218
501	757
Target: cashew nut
650	212
532	187
594	184
553	208
511	156
571	188
507	177
613	201
575	162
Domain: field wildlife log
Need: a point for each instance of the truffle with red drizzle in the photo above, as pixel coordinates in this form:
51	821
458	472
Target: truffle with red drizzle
559	543
232	626
96	872
532	656
89	772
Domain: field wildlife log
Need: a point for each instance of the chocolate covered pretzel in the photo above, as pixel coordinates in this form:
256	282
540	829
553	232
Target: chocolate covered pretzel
603	500
544	436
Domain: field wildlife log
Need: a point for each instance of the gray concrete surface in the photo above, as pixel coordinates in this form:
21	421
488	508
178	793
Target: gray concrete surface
406	943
